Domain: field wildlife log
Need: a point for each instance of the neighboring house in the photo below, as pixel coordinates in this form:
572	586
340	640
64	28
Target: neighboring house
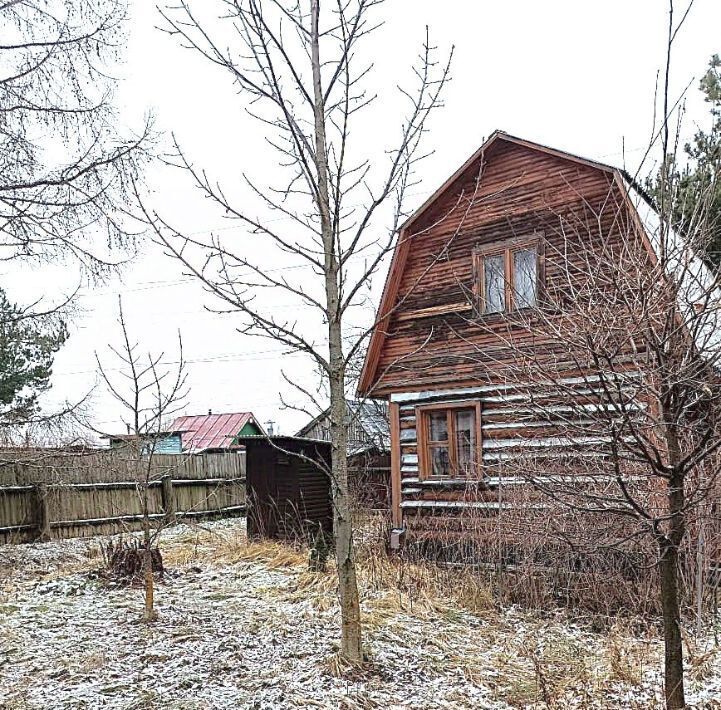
166	442
366	423
196	433
215	432
368	449
453	416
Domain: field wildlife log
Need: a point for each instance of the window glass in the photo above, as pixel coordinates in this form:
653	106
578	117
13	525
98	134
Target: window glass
494	297
465	438
438	426
450	442
525	270
440	461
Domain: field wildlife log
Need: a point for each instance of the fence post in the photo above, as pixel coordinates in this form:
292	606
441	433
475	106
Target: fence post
168	499
43	532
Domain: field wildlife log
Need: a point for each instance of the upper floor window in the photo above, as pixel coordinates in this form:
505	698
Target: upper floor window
508	275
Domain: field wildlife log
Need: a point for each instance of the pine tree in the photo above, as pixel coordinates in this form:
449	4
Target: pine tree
697	184
28	344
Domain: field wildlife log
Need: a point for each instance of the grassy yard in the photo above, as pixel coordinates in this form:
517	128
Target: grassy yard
246	625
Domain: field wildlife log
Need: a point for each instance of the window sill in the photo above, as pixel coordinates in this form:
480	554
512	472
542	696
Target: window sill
528	311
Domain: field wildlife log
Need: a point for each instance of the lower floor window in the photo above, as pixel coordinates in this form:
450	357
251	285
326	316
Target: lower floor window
448	439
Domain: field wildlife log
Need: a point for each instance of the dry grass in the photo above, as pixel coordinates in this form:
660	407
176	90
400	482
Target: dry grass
445	619
544	669
389	585
423	589
537	672
202	546
627	658
340	667
699	659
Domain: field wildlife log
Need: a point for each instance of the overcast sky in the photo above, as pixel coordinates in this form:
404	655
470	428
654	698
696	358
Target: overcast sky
574	75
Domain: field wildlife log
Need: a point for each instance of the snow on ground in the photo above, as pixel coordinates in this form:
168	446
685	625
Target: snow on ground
243	626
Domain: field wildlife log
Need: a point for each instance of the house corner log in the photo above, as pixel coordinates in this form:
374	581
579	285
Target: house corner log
394	413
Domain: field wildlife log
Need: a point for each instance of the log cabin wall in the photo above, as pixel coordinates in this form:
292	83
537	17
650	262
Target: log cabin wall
435	348
432	339
519	436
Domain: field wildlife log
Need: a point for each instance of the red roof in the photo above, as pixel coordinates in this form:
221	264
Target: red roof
212	431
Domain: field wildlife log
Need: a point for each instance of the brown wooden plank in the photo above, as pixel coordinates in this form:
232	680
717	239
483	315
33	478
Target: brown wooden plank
395	466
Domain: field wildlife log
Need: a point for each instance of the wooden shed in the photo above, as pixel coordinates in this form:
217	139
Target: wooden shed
287	486
369	461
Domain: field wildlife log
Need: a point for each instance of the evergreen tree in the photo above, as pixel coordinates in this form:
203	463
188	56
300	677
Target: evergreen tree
696	187
28	344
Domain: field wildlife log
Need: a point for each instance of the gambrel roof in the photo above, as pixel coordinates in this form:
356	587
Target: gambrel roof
642	207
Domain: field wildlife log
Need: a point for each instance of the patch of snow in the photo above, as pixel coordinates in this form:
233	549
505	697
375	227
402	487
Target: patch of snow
248	635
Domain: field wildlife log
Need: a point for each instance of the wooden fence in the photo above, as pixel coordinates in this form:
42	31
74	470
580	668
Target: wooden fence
54	494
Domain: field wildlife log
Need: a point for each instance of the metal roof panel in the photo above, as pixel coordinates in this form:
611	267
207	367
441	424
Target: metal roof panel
212	431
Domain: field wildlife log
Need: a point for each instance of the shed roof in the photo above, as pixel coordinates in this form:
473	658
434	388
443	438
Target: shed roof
213	431
279	439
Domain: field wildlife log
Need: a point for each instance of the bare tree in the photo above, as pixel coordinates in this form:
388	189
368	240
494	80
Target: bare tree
64	170
619	365
149	394
300	71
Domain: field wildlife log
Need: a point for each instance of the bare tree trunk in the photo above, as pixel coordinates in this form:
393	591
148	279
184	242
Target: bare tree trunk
673	659
335	227
148	395
149	612
668	566
700	544
149	582
351	643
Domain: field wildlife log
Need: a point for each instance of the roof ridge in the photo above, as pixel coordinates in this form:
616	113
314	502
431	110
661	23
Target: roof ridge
211	414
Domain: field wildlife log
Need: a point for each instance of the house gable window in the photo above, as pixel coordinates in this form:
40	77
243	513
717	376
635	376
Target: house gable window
508	275
449	439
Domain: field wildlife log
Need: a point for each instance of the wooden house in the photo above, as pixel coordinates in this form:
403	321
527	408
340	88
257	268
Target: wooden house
215	432
366	425
163	442
199	433
485	245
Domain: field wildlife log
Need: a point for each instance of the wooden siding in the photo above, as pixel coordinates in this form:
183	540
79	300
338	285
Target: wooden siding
431	339
289	492
434	347
169	445
368	451
516	425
